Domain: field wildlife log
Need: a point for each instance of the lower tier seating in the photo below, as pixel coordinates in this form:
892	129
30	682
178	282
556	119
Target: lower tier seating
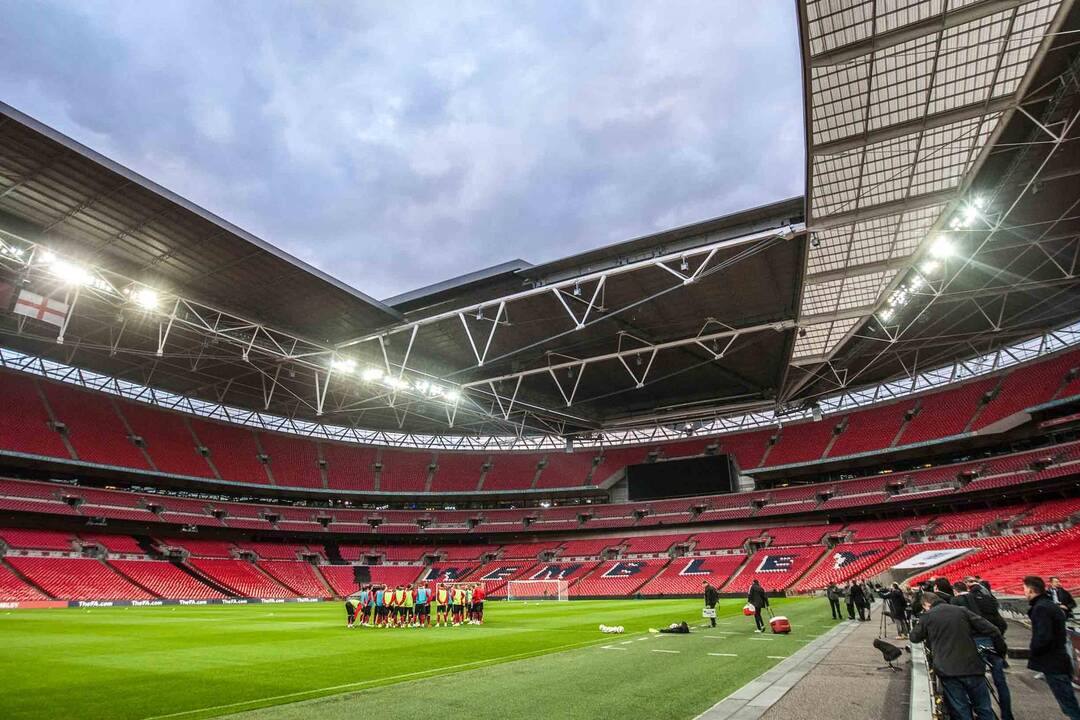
165	579
77	579
241	577
617	578
684	575
775	568
13	589
300	577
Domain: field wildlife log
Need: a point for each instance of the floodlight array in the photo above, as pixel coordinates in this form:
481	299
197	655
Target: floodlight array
373	375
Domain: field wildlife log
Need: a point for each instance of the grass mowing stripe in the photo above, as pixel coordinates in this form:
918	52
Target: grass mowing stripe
392	679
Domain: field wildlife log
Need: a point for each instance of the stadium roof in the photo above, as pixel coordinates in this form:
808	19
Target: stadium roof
927	116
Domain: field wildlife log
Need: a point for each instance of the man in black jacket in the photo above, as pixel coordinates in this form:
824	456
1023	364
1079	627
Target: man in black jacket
858	599
711	598
1061	597
978	600
759	600
949	631
1048	645
833	594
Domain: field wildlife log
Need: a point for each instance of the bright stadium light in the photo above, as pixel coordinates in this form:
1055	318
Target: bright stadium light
886	315
929	267
371	374
145	298
452	396
942	248
345	365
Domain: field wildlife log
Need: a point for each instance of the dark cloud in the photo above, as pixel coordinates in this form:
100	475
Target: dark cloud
398	144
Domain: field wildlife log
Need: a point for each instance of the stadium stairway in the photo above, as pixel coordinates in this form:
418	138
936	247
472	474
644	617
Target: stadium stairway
27	581
146	544
274	581
127	578
322	580
736	572
333	553
184	567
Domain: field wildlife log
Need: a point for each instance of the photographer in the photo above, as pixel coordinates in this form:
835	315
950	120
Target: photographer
1047	648
897	609
978	600
711	598
950	631
834	594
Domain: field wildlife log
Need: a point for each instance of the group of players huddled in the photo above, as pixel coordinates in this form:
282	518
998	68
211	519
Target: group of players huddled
410	605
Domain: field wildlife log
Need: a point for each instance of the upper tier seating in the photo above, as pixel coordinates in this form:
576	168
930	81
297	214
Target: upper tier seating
24	423
802	442
168	440
566	470
77	579
94	428
1027	386
683	576
466	552
293	462
403	470
457	472
449	571
775	568
617	578
946	413
1050	512
241	577
871	429
200	548
748	448
165	579
349	467
232	451
512	471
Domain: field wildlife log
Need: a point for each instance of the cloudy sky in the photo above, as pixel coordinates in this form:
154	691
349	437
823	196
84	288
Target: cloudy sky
396	144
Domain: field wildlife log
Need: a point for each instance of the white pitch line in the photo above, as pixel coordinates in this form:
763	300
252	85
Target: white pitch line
723	654
626	642
777	657
610	647
676	652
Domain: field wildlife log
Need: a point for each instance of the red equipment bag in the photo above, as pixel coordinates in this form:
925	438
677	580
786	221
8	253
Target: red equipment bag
748	610
780	625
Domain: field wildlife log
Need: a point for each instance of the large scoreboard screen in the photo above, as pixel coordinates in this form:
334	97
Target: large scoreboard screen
707	475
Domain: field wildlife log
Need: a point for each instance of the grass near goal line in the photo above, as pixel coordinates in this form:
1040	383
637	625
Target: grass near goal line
529	660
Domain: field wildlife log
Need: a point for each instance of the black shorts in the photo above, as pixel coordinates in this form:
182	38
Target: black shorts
478	607
455	608
350	614
440	609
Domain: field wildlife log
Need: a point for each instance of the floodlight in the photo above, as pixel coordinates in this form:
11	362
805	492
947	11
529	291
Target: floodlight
942	248
344	365
395	382
929	267
47	256
452	396
577	290
70	273
371	374
916	282
145	298
886	315
422	385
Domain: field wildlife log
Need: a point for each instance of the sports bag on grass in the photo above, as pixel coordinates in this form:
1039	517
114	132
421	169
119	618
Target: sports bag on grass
708	612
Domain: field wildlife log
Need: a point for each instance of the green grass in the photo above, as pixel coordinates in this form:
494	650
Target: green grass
540	660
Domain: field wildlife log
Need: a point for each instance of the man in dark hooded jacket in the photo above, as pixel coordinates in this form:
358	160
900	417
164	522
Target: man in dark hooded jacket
949	632
759	600
711	598
1048	645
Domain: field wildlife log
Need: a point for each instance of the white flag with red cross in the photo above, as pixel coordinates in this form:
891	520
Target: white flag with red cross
41	308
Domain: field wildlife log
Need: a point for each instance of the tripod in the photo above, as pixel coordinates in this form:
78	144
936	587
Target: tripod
883	626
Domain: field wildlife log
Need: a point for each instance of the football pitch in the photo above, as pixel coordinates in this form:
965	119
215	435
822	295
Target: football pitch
285	662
